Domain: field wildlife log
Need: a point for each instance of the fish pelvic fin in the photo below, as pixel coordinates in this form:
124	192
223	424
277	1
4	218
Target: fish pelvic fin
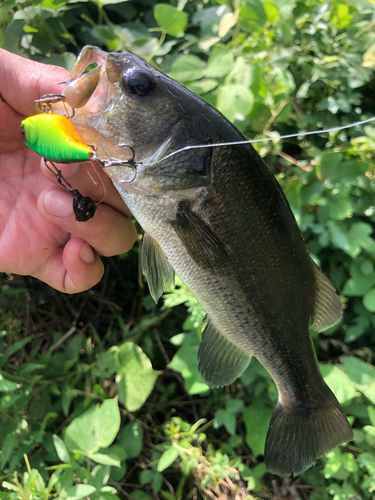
156	267
220	361
298	436
327	308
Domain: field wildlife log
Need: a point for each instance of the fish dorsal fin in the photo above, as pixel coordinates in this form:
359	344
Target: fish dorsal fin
156	267
220	361
199	240
327	308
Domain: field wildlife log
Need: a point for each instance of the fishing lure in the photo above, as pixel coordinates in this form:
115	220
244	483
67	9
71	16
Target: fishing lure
84	207
54	138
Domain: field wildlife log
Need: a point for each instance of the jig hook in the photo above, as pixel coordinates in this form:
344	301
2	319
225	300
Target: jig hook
84	207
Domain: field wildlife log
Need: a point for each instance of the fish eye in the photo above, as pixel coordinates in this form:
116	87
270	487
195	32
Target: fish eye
23	133
138	82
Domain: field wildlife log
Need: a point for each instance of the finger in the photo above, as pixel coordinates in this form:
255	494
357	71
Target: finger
22	81
73	268
91	181
84	268
109	232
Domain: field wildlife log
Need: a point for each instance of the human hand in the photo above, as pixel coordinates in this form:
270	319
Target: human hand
39	235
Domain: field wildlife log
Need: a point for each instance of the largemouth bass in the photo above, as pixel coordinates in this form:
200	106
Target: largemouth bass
218	218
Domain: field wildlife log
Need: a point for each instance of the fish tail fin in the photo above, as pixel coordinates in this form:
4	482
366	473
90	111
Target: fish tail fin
298	436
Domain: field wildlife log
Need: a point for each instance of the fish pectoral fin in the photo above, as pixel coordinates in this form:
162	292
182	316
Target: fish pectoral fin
202	244
327	308
220	361
156	267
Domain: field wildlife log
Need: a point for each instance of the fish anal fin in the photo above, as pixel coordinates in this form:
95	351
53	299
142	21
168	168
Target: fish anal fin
220	361
156	267
327	307
297	437
204	247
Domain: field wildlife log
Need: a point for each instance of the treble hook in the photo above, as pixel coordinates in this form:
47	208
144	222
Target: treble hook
44	104
113	162
84	207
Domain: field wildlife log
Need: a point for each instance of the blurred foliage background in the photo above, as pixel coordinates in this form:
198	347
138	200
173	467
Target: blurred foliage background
100	395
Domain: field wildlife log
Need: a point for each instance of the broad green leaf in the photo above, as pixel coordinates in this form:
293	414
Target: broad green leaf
339	383
202	86
185	362
170	19
362	374
132	439
227	419
135	376
7	385
104	459
7	449
80	491
96	428
227	22
99	476
369	300
368	461
358	285
235	101
219	62
253	11
167	458
82	433
257	419
61	449
188	67
108	421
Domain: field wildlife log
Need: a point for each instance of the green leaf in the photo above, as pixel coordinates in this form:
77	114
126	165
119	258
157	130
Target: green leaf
188	67
339	383
132	439
7	449
80	491
362	374
99	476
7	385
96	428
185	362
226	418
220	62
108	421
167	458
61	449
257	419
104	459
135	376
170	19
369	300
235	101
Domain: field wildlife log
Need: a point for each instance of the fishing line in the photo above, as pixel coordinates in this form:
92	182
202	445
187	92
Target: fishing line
253	141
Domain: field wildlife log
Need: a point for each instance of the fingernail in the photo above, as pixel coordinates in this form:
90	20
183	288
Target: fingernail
58	203
87	254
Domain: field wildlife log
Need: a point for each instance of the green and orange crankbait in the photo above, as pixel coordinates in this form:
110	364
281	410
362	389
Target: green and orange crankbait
54	137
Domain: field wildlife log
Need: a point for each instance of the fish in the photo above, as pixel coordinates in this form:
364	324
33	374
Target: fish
217	217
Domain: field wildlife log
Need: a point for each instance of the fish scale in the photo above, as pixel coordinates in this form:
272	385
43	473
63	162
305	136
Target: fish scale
218	218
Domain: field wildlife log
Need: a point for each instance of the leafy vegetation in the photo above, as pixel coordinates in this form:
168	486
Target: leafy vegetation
100	396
